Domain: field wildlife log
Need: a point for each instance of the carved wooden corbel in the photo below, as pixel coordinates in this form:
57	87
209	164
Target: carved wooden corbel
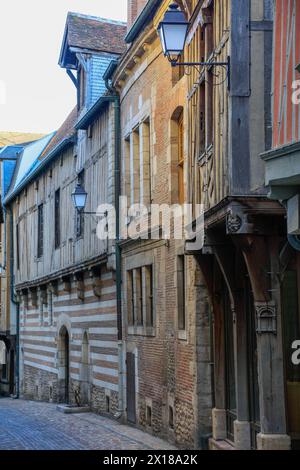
79	283
43	295
146	47
237	222
53	288
66	284
33	297
95	276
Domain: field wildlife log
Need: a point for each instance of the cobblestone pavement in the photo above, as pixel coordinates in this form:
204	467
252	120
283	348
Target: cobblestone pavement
27	425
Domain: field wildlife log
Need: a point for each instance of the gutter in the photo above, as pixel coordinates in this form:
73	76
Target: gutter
40	168
146	15
91	114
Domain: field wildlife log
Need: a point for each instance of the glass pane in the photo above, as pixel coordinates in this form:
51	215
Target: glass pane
175	37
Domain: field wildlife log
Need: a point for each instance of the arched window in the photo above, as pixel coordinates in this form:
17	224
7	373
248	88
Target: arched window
180	161
177	157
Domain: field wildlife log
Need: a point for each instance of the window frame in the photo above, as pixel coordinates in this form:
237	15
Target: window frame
40	234
57	221
180	163
140	300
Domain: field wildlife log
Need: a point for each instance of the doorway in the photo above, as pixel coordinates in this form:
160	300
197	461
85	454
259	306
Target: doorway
12	372
131	390
230	384
63	364
84	370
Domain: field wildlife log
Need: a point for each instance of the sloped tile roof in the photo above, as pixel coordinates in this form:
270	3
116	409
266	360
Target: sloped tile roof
96	34
65	131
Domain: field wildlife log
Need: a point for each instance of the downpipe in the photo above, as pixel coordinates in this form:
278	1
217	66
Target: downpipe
121	346
17	305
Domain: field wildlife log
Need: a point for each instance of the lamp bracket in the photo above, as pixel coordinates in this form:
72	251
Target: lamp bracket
175	63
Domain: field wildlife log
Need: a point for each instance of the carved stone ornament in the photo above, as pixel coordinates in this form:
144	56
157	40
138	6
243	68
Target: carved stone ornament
233	223
266	317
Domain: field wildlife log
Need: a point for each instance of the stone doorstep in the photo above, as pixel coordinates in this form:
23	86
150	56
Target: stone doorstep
220	445
73	409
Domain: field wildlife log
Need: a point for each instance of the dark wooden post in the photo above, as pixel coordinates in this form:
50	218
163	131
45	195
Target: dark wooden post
262	258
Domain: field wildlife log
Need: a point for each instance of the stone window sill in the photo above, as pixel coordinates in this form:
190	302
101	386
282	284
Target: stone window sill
182	335
141	331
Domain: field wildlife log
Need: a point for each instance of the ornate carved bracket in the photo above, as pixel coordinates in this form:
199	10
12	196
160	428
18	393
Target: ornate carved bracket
266	317
237	222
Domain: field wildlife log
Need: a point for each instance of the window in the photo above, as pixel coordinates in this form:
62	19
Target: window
40	241
126	169
145	164
181	292
135	166
57	218
140	305
138	285
202	141
209	47
79	214
130	298
18	246
149	295
180	161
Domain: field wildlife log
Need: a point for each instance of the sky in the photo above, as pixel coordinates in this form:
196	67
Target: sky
36	95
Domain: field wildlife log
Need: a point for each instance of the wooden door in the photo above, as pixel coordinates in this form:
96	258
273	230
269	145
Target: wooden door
131	391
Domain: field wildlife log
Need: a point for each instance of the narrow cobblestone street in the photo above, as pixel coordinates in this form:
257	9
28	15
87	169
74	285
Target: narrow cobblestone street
26	425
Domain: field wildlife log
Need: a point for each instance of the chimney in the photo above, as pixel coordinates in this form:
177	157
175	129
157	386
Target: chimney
134	9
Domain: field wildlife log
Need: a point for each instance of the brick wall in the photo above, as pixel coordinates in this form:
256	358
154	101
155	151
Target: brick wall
134	9
167	374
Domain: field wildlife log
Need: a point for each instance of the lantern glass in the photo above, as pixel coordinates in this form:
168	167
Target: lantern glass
173	38
173	31
79	198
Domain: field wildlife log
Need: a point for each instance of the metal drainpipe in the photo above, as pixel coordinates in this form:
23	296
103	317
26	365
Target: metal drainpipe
121	346
13	300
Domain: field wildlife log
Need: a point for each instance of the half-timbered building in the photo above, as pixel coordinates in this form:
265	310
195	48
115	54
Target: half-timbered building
229	123
64	275
11	145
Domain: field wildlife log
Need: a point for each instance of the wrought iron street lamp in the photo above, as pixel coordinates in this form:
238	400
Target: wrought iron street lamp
79	197
173	30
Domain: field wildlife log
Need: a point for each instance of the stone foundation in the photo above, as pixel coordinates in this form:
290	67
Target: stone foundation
242	435
41	385
273	442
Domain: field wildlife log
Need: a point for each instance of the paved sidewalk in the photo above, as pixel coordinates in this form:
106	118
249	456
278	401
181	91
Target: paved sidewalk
27	425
